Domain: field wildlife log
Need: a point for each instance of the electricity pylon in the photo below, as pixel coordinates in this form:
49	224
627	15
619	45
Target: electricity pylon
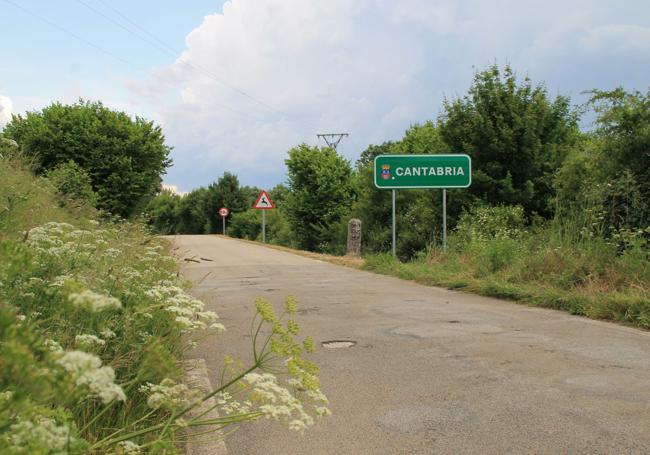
332	139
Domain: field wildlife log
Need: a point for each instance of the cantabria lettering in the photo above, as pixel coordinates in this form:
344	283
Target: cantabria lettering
426	170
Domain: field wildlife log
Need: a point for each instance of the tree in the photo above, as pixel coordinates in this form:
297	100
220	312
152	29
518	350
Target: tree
367	157
192	212
246	225
279	194
607	178
163	212
123	157
225	192
623	126
517	138
321	191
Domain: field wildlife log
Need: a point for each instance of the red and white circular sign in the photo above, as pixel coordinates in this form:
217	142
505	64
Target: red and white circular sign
224	212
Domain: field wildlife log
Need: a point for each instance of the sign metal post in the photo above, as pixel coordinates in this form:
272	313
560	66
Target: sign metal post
444	218
223	212
394	227
264	203
263	226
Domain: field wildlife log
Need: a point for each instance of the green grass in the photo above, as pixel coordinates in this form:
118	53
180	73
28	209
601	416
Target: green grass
93	323
590	277
39	270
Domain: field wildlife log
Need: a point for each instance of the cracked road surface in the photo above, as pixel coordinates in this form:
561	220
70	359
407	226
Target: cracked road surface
433	371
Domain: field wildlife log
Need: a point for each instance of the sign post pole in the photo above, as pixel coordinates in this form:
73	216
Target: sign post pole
263	226
224	212
394	224
264	203
444	218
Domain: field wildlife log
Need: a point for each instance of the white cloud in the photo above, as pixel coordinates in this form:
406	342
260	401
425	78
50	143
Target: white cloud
6	107
174	189
367	67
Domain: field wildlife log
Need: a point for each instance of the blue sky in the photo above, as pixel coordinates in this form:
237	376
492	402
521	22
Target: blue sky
238	83
40	62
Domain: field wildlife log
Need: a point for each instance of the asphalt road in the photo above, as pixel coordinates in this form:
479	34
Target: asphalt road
434	371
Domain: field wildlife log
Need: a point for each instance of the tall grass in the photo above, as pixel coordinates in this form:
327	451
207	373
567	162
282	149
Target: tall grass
567	265
93	323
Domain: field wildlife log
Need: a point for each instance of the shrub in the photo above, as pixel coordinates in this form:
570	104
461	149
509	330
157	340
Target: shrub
72	183
245	225
486	223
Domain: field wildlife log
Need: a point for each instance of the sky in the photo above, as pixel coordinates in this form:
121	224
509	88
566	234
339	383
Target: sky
236	84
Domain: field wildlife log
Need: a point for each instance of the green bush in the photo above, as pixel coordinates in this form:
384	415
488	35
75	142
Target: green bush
162	213
245	225
123	156
73	183
483	223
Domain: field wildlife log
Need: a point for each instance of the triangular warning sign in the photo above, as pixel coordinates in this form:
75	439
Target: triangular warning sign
264	202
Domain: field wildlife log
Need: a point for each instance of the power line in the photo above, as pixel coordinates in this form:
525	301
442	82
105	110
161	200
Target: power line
171	51
105	16
161	46
146	32
74	35
102	50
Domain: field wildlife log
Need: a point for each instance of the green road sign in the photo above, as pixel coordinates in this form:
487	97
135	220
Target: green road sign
423	171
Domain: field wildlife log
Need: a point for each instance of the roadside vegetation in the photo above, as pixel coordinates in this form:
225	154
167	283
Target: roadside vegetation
492	252
94	319
94	322
557	215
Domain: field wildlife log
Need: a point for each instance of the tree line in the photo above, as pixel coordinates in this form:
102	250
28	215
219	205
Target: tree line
528	151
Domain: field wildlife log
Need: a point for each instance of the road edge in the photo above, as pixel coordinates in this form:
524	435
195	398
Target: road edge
196	377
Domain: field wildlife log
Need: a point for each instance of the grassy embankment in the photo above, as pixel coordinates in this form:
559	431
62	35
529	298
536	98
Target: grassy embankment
85	326
583	275
93	323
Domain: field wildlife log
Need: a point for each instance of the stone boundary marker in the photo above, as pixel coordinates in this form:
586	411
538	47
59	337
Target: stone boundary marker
196	376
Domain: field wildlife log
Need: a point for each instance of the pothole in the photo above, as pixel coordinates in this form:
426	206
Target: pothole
453	321
338	344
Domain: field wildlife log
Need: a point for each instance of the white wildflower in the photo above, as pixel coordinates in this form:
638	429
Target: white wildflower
128	448
228	405
181	422
190	313
317	395
217	327
88	340
112	252
6	396
59	281
168	394
322	411
92	301
107	334
52	345
277	402
87	370
39	433
297	425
